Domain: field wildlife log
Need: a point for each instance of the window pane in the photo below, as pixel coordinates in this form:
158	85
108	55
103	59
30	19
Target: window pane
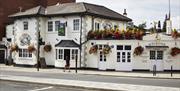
57	25
119	47
50	26
152	55
127	47
25	25
160	55
76	24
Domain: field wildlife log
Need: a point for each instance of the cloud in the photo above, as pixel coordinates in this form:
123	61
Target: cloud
141	10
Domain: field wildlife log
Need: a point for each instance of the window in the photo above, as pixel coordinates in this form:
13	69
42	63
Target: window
128	56
97	26
156	55
100	47
127	47
76	24
119	47
74	53
152	55
50	26
57	25
60	54
25	23
123	57
159	54
25	53
118	56
102	57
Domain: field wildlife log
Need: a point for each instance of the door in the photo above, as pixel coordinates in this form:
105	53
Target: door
156	57
2	56
66	53
102	61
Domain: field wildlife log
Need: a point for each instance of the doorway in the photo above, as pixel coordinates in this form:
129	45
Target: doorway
2	56
66	53
156	57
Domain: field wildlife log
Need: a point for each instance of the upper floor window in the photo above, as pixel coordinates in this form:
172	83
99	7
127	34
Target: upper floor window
57	25
97	26
76	24
25	23
50	26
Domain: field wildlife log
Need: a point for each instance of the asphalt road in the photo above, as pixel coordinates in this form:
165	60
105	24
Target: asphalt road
98	78
19	86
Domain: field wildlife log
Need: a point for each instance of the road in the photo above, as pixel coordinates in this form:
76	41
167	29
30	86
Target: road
19	86
98	78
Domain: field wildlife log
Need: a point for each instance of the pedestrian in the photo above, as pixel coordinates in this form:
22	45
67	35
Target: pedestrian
67	65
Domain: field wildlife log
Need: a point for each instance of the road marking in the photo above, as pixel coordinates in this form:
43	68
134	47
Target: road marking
42	88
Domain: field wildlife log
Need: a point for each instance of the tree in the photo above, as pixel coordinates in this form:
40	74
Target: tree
164	24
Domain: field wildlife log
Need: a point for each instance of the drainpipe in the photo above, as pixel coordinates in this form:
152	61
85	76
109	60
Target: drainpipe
38	47
80	42
92	25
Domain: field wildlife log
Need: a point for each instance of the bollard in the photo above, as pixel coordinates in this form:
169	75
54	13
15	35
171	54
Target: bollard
154	70
76	64
171	70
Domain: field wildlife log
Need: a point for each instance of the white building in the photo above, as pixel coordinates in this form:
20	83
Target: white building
65	27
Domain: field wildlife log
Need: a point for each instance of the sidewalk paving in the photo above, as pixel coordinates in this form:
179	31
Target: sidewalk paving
107	86
159	75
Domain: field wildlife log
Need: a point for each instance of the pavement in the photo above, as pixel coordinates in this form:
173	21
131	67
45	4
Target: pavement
159	75
108	86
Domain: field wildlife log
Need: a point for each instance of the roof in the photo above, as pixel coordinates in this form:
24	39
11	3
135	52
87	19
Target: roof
73	8
67	43
39	10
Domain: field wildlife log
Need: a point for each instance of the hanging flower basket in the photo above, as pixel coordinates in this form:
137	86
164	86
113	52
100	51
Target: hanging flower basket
106	49
31	48
93	49
14	48
138	50
175	51
47	48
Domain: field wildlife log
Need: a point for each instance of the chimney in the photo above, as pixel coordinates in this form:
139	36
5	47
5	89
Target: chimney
20	9
125	14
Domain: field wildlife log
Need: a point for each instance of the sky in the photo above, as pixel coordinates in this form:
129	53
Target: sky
143	10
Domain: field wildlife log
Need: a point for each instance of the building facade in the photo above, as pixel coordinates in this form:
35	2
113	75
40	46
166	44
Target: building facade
79	30
16	6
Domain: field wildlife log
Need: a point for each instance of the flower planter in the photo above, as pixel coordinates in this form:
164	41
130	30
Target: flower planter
47	48
14	48
31	48
93	49
175	51
138	50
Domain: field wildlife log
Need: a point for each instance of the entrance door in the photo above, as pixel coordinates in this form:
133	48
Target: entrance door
66	53
102	61
156	57
2	56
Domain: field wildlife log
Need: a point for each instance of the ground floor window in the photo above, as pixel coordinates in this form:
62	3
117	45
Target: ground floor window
156	55
62	53
124	53
25	53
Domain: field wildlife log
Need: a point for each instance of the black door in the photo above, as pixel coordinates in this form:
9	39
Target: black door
66	53
2	55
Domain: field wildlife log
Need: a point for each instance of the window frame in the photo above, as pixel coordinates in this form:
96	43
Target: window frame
50	26
25	25
76	24
23	53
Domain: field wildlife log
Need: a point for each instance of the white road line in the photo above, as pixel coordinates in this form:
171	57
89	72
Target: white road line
42	88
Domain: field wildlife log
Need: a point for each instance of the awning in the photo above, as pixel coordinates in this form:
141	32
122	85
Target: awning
157	46
67	43
2	46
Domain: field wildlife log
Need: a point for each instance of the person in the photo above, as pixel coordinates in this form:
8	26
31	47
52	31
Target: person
67	65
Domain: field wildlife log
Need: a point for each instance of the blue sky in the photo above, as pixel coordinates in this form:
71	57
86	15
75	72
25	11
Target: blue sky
143	10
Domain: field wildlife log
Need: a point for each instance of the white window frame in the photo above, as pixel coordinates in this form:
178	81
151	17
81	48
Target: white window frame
124	55
50	28
25	25
76	24
74	53
97	26
24	53
155	55
59	54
